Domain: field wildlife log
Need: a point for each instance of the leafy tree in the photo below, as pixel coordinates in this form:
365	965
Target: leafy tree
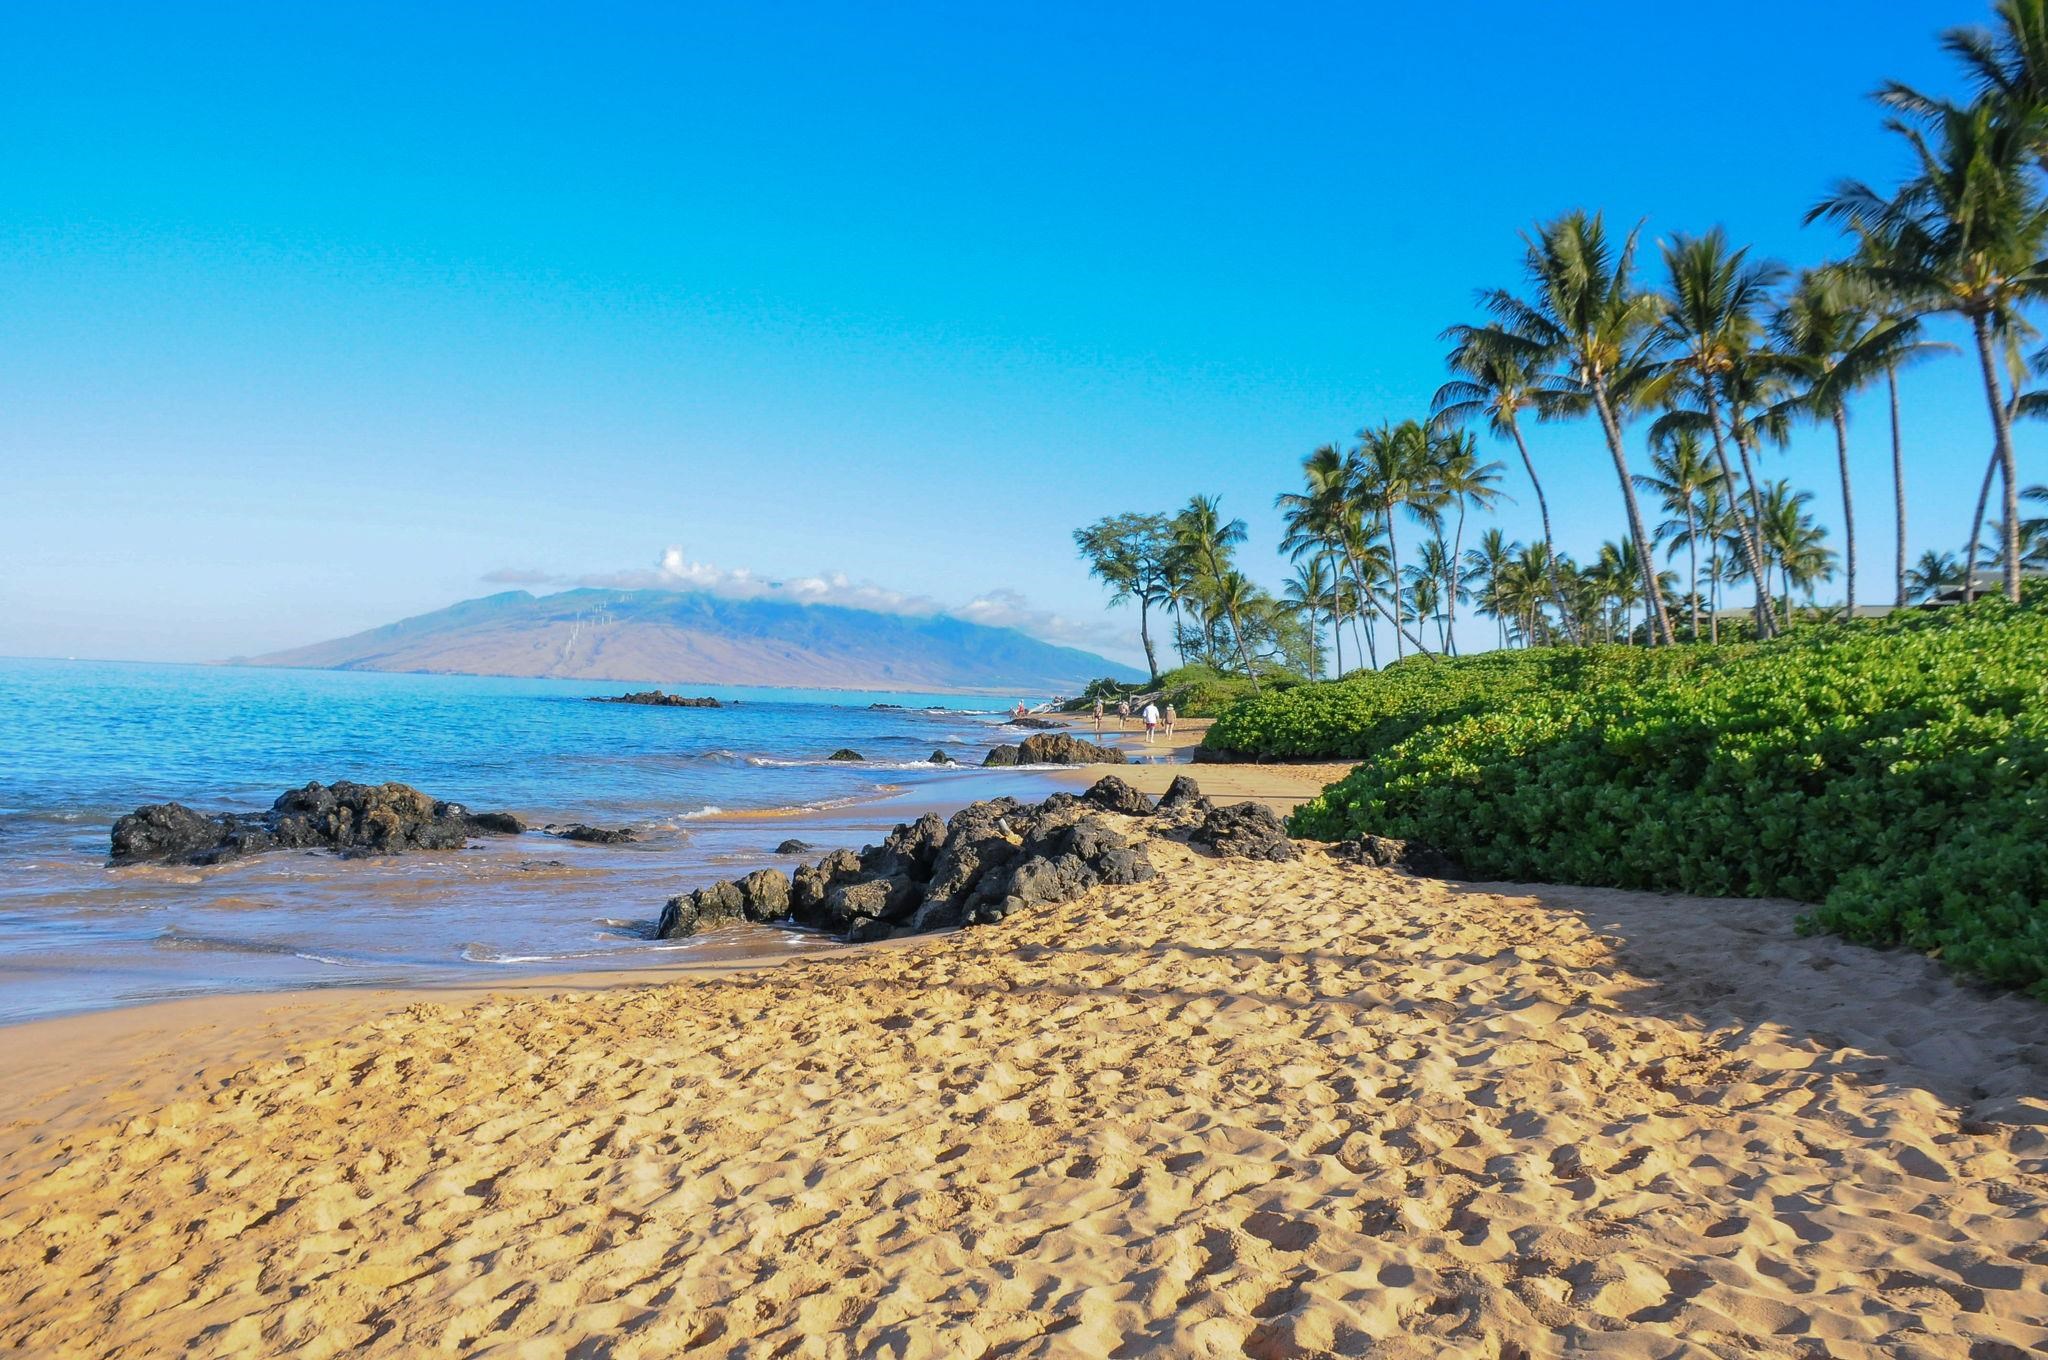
1132	555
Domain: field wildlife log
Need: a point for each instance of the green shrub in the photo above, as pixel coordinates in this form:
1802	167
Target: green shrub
1895	774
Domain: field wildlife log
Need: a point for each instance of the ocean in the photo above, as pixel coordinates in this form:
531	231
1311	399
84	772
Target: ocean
710	793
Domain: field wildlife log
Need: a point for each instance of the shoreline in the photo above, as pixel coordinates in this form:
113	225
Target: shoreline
1279	1109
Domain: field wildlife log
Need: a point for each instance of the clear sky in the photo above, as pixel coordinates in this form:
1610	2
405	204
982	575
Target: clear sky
313	317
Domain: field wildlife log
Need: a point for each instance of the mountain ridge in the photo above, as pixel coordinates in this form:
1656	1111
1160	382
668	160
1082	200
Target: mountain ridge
695	637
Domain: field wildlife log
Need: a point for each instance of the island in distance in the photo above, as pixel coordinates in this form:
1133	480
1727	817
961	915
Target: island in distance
691	637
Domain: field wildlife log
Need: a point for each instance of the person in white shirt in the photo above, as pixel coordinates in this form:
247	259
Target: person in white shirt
1151	721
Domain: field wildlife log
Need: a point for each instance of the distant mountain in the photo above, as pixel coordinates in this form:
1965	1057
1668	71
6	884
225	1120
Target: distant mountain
678	637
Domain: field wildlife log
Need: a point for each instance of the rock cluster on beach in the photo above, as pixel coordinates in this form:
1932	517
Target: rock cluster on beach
354	819
1053	748
655	698
990	859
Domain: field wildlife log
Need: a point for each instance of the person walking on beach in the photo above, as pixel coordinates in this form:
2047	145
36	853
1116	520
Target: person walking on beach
1098	715
1123	714
1151	722
1170	717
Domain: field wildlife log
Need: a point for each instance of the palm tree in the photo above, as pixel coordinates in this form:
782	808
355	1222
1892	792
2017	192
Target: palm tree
2008	64
1794	542
1314	519
1487	567
1232	598
1309	591
1589	320
1467	484
1393	472
1834	339
1207	540
1496	381
1968	235
1713	323
1932	574
1679	472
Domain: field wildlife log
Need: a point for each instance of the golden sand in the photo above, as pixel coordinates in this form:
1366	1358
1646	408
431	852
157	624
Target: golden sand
1243	1110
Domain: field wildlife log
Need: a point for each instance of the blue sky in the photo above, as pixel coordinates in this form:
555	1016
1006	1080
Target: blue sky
310	319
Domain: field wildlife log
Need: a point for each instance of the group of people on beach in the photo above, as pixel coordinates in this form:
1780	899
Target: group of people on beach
1151	715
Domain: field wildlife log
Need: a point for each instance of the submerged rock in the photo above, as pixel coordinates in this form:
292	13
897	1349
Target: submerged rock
1001	755
1037	724
1246	831
793	846
846	753
941	758
657	699
351	818
595	835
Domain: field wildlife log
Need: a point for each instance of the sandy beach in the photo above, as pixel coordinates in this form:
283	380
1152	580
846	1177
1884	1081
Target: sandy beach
1244	1109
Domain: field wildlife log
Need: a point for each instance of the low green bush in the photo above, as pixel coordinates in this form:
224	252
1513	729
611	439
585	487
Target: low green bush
1896	775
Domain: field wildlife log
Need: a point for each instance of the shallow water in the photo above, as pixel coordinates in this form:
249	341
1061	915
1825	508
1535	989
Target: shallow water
710	792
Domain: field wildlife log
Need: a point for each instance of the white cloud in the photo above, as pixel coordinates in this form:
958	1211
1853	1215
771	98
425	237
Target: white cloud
997	608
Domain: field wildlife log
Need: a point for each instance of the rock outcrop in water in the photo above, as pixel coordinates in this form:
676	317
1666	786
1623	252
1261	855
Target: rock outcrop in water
594	835
1054	748
990	859
655	698
350	818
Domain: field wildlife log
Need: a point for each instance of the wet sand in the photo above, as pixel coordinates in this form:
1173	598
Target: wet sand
1244	1109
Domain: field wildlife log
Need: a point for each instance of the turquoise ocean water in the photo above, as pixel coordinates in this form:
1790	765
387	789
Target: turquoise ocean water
710	791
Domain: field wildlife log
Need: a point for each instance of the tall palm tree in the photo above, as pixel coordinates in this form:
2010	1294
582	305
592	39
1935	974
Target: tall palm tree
1713	323
1598	331
1496	382
1314	519
2008	64
1466	484
1309	591
1393	473
1679	472
1969	232
1208	539
1834	339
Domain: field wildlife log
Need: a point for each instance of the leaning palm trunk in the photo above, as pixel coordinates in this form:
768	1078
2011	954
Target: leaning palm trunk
1564	615
1848	512
1891	376
2001	428
1752	531
1658	626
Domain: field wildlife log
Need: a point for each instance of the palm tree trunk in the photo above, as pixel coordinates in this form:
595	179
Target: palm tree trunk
1394	555
1975	547
1336	610
1891	375
1848	511
1692	554
1145	634
1714	597
1661	632
1564	615
1237	636
1451	585
2001	428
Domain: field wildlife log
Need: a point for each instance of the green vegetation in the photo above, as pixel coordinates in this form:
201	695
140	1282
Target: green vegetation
1895	774
1195	691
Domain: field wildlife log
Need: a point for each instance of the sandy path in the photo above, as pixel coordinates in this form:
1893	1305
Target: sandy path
1264	1110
